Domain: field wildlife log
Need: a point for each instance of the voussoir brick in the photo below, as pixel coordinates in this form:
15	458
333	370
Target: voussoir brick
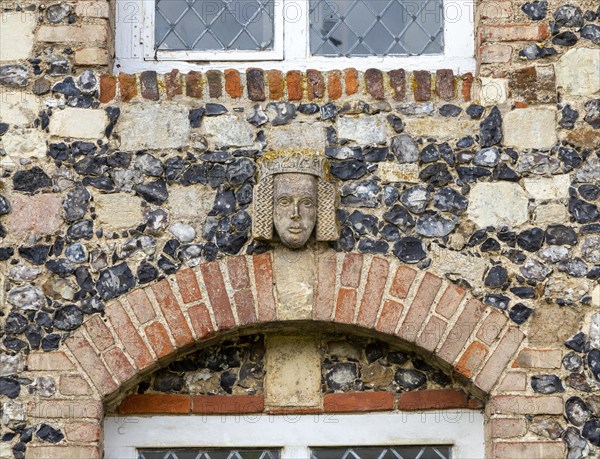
201	321
461	331
326	285
473	357
244	304
345	305
238	272
431	335
141	306
450	300
119	365
99	333
159	340
188	285
373	293
173	314
492	327
217	294
92	364
389	317
351	270
420	307
263	279
402	282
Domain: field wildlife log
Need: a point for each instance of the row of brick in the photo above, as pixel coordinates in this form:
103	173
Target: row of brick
259	85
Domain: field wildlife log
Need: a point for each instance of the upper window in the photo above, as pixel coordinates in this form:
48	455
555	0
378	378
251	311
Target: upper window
322	34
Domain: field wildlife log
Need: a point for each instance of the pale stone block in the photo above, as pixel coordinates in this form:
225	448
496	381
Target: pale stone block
578	72
228	131
550	213
18	107
530	128
297	135
91	56
497	204
164	125
292	372
88	34
596	296
25	143
493	91
295	281
543	188
455	264
393	172
116	212
190	204
369	130
17	35
92	9
441	129
39	214
81	123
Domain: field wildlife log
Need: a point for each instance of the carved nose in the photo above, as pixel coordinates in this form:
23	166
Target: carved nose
296	213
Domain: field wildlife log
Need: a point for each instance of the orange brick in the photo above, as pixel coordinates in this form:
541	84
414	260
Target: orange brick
334	84
450	300
431	335
373	293
238	272
263	276
390	314
91	364
471	359
127	86
497	53
275	80
462	330
99	333
530	450
467	84
351	81
172	312
420	306
326	285
433	399
118	364
244	303
201	322
108	88
515	32
346	302
295	84
141	306
358	401
85	432
491	327
129	336
227	404
173	84
233	83
155	404
402	281
159	340
539	358
193	84
351	270
188	285
508	427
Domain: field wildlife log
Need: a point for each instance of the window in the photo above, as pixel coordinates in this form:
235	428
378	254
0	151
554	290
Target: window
393	435
295	34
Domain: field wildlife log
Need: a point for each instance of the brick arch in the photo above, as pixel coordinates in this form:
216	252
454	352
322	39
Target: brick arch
370	294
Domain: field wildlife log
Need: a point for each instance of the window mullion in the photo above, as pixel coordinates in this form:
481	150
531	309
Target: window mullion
296	23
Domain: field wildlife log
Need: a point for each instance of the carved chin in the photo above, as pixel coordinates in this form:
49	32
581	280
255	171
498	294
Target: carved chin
294	240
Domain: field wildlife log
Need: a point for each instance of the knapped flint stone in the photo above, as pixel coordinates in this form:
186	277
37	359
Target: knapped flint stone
449	200
149	165
577	447
58	12
546	384
31	180
410	379
490	129
215	109
341	376
166	381
67	87
569	156
583	212
50	342
281	113
589	192
560	235
593	360
146	272
523	292
227	381
405	149
572	362
390	195
10	387
415	198
531	239
361	194
475	111
346	241
60	267
535	10
591	32
224	203
308	109
430	154
496	277
348	170
433	224
591	431
41	86
568	16
577	411
363	223
14	75
410	250
240	170
243	194
396	123
4	205
565	39
519	313
329	111
578	342
450	110
36	254
592	107
49	434
115	281
487	157
497	301
257	116
400	217
15	323
68	317
490	245
368	245
154	192
375	154
568	117
504	172
436	175
534	269
26	297
81	230
575	267
534	51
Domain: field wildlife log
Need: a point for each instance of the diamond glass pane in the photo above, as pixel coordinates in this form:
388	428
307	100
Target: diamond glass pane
214	25
386	452
211	453
376	27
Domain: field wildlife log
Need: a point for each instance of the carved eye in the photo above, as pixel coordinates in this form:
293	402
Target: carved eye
307	203
284	201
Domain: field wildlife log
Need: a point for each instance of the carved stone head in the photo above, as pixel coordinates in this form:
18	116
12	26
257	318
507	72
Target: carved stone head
293	197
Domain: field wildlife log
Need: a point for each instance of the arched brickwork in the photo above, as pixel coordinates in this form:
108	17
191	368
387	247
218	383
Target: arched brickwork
152	324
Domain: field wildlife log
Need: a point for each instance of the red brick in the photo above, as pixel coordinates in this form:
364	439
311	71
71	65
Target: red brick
471	359
255	82
315	84
108	88
373	294
127	86
374	83
431	335
461	331
515	32
142	308
263	277
351	270
530	450
149	85
129	336
99	333
420	307
201	322
444	83
219	300
334	84
326	285
83	432
467	85
351	81
227	404
358	402
388	319
275	80
215	86
173	84
238	272
295	84
491	327
346	303
402	281
155	404
91	364
172	312
233	83
398	83
525	405
422	85
193	84
159	340
450	300
433	399
118	364
244	303
493	54
539	358
497	363
188	285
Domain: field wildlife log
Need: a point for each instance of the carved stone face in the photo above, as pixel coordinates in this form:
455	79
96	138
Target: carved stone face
294	207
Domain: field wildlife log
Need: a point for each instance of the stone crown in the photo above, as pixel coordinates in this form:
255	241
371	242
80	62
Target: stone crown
293	161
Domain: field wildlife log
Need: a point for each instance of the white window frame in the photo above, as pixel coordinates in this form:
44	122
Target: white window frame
295	434
134	43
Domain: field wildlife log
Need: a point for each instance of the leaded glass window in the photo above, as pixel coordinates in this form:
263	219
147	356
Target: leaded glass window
208	453
385	452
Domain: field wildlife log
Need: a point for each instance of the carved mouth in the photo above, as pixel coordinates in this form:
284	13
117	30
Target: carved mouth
295	230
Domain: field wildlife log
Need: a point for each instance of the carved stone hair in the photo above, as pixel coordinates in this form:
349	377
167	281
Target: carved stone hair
294	161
